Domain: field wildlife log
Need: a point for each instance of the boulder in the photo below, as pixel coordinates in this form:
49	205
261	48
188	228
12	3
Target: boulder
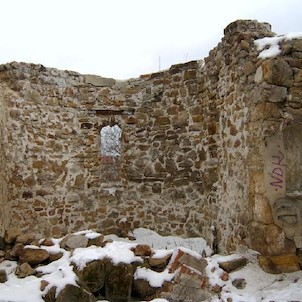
23	270
11	234
74	241
33	256
3	276
279	264
72	293
118	283
92	276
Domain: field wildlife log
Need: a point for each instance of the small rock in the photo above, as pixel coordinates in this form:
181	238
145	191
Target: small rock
239	283
25	238
47	242
11	234
97	241
159	263
23	270
33	256
224	276
142	250
43	285
3	276
232	265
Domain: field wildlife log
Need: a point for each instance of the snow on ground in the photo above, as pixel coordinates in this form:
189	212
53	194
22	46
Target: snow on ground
269	46
260	286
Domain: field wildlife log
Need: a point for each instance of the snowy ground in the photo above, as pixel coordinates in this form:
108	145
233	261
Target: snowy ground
260	286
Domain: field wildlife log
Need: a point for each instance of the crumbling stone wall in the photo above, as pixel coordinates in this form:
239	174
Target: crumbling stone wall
195	146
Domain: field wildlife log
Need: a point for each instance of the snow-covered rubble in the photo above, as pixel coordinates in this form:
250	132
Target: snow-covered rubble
176	262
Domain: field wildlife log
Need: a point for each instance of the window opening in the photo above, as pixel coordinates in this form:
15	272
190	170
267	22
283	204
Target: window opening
111	141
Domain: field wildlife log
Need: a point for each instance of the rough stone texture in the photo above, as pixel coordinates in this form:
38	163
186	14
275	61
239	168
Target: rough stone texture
232	265
197	147
279	264
118	282
23	270
33	256
73	293
92	276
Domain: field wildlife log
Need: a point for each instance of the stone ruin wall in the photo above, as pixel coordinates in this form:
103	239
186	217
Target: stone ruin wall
196	147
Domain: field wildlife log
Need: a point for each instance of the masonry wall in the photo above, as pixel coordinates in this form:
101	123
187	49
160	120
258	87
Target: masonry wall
195	147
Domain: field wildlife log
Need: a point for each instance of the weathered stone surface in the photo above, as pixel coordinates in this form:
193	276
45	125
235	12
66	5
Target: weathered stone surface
192	139
73	293
33	256
24	270
98	241
188	260
142	289
159	262
142	250
11	234
118	282
233	265
25	238
92	276
277	72
270	240
239	283
3	276
99	81
74	241
279	264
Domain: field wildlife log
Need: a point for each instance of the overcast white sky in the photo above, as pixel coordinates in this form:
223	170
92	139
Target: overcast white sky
125	38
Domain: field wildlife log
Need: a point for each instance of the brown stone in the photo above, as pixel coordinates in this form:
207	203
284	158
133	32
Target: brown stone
270	240
142	250
118	283
232	265
24	270
25	238
277	72
11	234
72	293
279	264
33	256
92	276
